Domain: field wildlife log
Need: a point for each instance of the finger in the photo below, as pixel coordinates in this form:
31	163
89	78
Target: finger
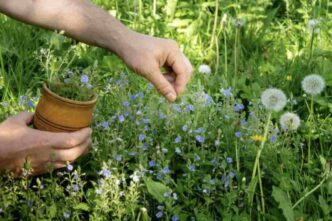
48	167
69	140
163	86
23	118
72	154
182	69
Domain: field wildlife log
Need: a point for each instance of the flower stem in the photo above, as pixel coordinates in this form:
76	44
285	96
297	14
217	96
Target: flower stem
235	56
266	130
311	119
261	187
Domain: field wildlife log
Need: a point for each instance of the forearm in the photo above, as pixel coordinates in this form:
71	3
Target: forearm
79	19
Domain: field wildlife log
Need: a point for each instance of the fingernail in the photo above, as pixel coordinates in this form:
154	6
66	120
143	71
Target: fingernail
171	96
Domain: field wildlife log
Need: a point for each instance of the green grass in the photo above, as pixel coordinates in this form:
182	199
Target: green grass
272	49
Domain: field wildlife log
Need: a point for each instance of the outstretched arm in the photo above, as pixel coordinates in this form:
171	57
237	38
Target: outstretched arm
82	20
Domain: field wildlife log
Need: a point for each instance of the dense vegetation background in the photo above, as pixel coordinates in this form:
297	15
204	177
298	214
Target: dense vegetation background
192	160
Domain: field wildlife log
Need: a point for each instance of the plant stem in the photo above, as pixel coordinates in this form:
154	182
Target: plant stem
237	157
235	56
214	24
311	46
266	130
261	187
310	192
310	119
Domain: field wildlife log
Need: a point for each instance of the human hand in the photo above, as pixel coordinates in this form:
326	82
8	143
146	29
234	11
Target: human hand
146	55
43	150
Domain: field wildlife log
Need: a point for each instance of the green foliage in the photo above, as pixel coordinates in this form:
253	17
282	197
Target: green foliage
284	203
144	147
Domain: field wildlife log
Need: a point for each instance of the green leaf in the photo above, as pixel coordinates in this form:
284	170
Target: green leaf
156	189
323	205
82	206
284	203
52	211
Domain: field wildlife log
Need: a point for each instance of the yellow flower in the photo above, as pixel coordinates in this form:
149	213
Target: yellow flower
289	77
257	138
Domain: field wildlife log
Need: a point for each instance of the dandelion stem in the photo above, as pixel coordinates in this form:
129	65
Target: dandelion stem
235	56
261	187
311	119
266	130
311	46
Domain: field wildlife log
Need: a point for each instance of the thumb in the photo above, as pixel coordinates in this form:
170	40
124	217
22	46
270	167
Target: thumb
163	85
24	118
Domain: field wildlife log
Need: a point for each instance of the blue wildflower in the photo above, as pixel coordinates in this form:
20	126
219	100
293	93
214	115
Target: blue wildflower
99	191
273	139
243	122
178	139
185	127
227	92
22	101
30	203
132	97
106	173
165	170
159	214
140	94
192	168
238	107
161	115
175	196
30	104
141	137
152	163
105	125
118	157
146	128
66	214
121	118
229	159
189	107
126	104
200	139
167	194
84	79
231	174
175	218
146	120
200	130
75	187
225	180
238	134
70	167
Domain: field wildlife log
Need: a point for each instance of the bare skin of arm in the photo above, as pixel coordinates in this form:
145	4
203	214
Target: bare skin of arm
85	22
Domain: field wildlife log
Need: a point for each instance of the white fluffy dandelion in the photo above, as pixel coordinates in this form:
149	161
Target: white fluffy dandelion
313	25
290	121
273	99
239	22
313	84
204	69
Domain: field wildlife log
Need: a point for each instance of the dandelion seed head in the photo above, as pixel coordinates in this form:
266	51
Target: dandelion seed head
313	26
290	121
204	69
273	99
313	84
